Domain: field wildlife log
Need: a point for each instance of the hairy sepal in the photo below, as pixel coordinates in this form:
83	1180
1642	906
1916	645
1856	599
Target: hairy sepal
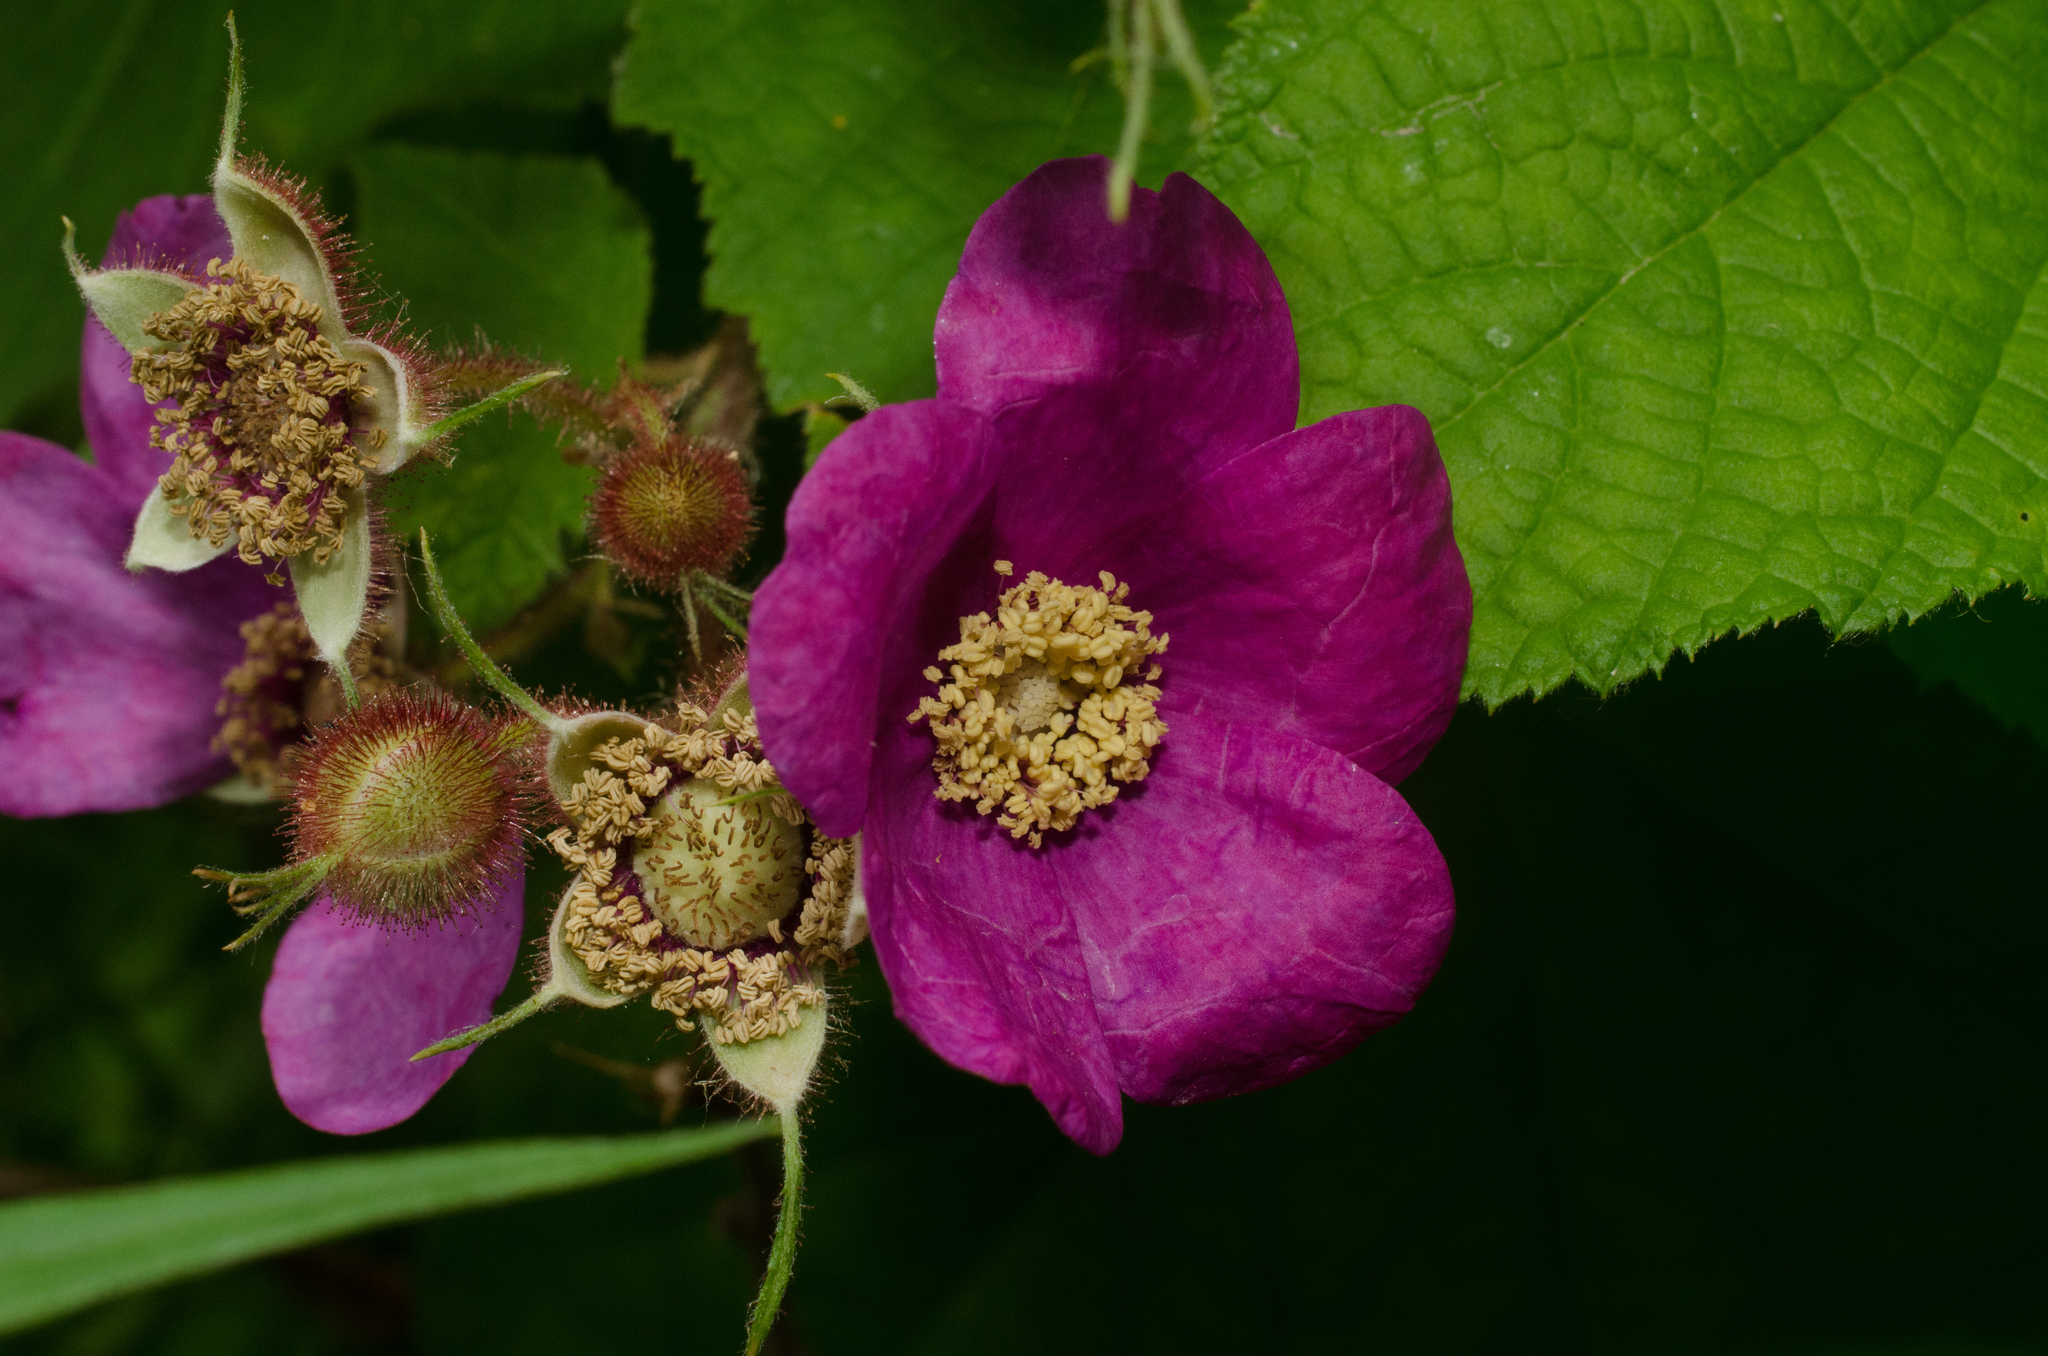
776	1069
164	541
570	747
399	407
568	977
333	597
123	299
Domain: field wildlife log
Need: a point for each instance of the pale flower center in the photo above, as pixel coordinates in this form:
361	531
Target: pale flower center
1045	708
719	873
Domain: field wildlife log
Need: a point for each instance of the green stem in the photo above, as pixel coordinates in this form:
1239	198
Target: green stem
715	610
861	395
511	1017
782	1253
1137	109
728	588
349	692
689	601
484	666
1173	26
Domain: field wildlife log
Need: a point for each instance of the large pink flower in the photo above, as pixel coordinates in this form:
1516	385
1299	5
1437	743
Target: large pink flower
108	680
1123	399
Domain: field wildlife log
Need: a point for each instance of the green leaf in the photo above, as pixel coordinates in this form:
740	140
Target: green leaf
846	148
1721	314
546	256
542	253
61	1253
129	100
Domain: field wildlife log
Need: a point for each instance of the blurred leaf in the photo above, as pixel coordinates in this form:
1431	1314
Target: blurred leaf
127	102
547	257
542	253
846	148
1996	652
58	1254
1721	315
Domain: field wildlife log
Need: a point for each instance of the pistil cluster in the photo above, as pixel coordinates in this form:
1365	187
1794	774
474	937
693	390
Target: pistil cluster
700	881
259	421
1044	712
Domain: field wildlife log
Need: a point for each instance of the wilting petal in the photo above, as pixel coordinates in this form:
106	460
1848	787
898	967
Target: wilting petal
108	680
166	232
350	1003
889	498
1176	306
979	948
1251	911
1313	586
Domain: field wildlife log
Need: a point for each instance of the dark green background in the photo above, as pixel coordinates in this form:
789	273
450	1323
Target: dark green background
1737	1047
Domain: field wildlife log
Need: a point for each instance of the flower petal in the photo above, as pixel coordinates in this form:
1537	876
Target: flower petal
349	1003
166	232
1250	912
1313	586
1177	307
981	953
163	541
107	680
886	502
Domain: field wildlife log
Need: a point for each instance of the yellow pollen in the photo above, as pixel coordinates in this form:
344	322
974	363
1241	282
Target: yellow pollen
258	427
1044	709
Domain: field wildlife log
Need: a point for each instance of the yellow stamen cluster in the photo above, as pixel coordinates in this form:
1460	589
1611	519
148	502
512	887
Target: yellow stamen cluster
1040	711
258	427
713	842
270	699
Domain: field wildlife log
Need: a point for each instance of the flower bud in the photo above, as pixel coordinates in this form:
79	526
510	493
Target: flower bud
415	802
671	506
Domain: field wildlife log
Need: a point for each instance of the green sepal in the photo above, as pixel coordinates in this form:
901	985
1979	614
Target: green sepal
776	1069
572	742
333	597
447	424
123	299
163	541
390	410
568	980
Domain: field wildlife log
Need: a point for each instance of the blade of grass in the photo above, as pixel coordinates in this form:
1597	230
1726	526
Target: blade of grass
59	1254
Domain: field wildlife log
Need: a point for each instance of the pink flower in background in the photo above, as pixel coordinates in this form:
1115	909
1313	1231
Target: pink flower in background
1242	896
109	680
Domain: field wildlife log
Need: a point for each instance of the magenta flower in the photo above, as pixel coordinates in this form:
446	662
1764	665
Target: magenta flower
109	680
349	1003
1229	892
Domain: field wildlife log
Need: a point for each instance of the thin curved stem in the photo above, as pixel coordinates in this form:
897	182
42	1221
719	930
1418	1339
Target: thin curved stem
782	1253
482	664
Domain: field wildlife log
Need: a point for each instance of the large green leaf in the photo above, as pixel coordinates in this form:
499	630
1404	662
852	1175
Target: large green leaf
845	149
61	1253
1722	312
113	103
545	255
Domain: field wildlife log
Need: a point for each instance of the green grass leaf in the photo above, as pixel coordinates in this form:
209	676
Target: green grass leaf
1722	314
546	256
127	103
846	148
59	1254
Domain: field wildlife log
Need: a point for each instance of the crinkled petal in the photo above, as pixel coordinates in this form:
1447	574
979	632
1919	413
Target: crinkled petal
1313	586
1176	307
108	680
1250	912
981	954
889	498
349	1003
182	233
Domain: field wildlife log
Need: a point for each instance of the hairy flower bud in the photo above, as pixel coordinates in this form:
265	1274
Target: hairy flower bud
669	507
415	802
